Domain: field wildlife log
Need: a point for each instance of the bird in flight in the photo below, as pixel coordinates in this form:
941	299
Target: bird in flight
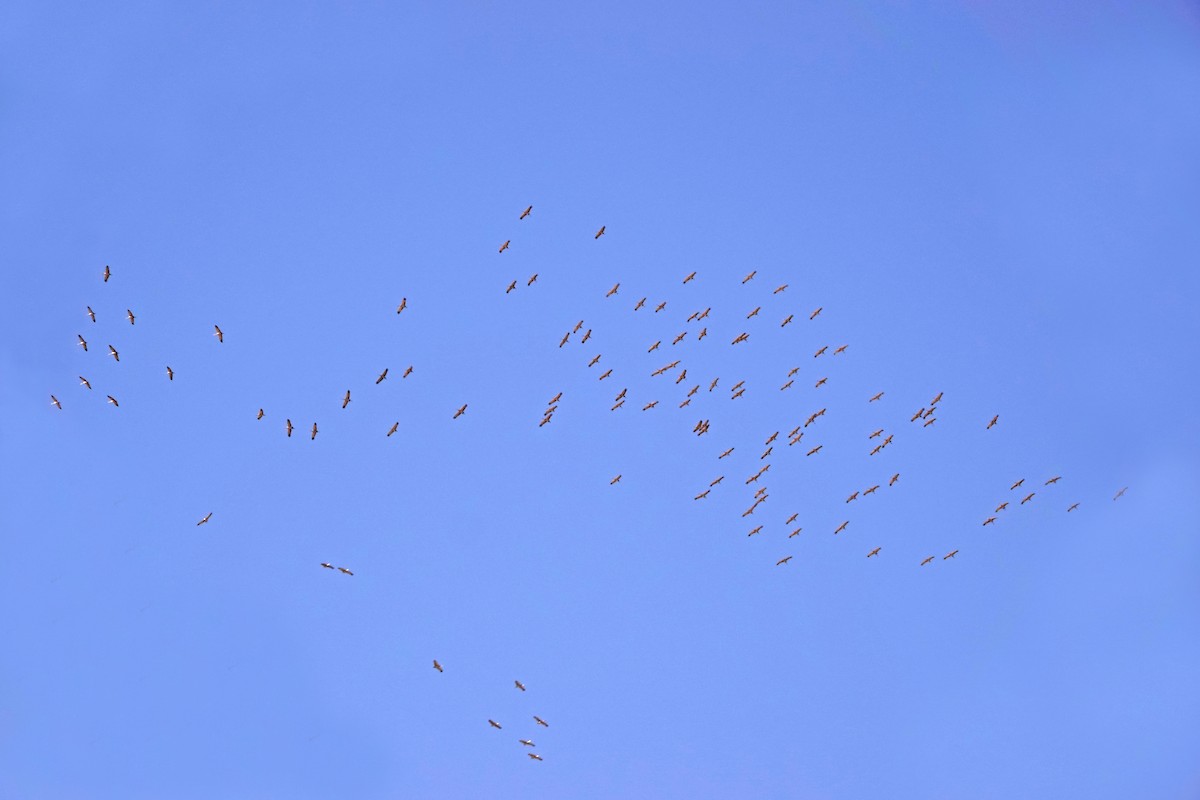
660	306
532	280
534	756
407	372
895	478
54	402
814	314
314	432
727	452
220	336
1072	507
640	303
951	554
820	383
113	400
756	530
876	397
107	273
393	429
84	382
750	276
526	742
874	552
129	316
1015	485
1001	507
594	360
615	480
872	490
821	352
606	374
786	385
926	561
82	342
540	721
613	290
91	313
511	286
207	517
520	685
460	412
852	497
876	433
555	399
344	571
381	377
754	313
792	518
779	289
289	428
504	246
995	419
326	565
564	339
525	213
1055	479
600	232
795	532
112	351
437	666
702	495
841	349
689	277
841	527
989	521
494	724
934	402
170	373
649	406
790	317
1120	493
403	305
260	414
783	560
346	399
1027	498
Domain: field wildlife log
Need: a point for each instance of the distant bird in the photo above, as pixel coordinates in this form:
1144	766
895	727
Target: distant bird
220	336
1001	507
113	400
532	280
344	571
460	412
392	429
754	313
511	286
679	338
84	382
791	519
951	554
717	481
606	374
289	428
1120	493
107	273
874	552
795	533
756	530
786	385
741	337
170	373
594	360
841	349
613	290
926	561
783	560
995	419
852	497
989	521
713	385
821	351
872	490
346	399
525	213
934	402
540	721
689	277
260	414
91	313
1072	507
814	314
437	666
841	527
112	351
314	432
129	316
600	232
403	305
788	319
1055	479
1027	498
640	303
820	383
702	495
649	406
929	422
207	517
504	246
702	334
737	394
876	433
494	724
520	685
1015	485
555	399
876	397
621	395
918	415
54	402
793	371
564	339
779	289
526	742
660	306
615	481
407	372
381	377
534	756
586	336
326	565
618	405
82	342
727	452
750	276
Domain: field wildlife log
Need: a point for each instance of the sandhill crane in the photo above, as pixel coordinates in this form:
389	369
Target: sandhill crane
951	554
534	756
520	685
1001	507
792	518
394	428
840	350
820	352
779	289
494	724
1120	494
820	383
876	433
91	314
613	290
314	432
717	481
872	490
786	385
129	316
689	277
929	422
525	213
874	552
989	521
926	561
786	320
754	531
403	305
841	527
504	246
815	450
852	497
703	332
565	338
526	742
407	372
995	419
600	232
606	374
437	666
84	382
754	313
1072	507
795	533
540	721
594	360
1055	479
532	280
260	414
382	377
344	571
934	402
727	452
220	336
814	314
615	481
876	397
702	495
113	400
82	342
289	428
586	336
640	303
649	406
750	276
783	560
54	402
1027	498
107	273
170	373
207	517
460	411
346	399
1015	485
326	565
112	351
660	306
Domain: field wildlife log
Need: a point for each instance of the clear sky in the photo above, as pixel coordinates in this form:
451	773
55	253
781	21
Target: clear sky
996	204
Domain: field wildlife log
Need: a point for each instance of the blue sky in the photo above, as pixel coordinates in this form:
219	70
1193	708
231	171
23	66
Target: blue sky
997	204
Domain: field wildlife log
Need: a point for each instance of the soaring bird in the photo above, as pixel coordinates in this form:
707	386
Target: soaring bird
814	314
821	352
618	405
578	326
786	385
1001	507
1055	479
852	497
326	565
82	342
437	666
1120	493
113	400
926	561
289	428
934	402
220	336
679	338
129	316
756	530
600	232
918	415
381	377
91	313
346	399
594	360
207	517
876	397
649	406
841	349
460	412
615	480
689	277
795	532
494	724
703	332
713	385
526	742
54	402
84	382
403	305
540	721
737	394
314	432
841	527
1027	498
344	571
820	383
750	276
532	280
606	374
783	560
872	490
789	318
929	422
640	303
792	518
989	521
754	313
564	339
260	414
107	273
586	336
511	286
1015	485
995	419
793	371
407	372
555	399
874	552
741	337
951	554
504	246
170	373
613	290
727	452
702	495
525	213
779	289
112	351
621	395
519	685
534	756
876	433
660	306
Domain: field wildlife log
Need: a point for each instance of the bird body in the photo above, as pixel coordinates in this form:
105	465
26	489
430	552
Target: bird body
129	316
346	399
995	419
403	305
112	351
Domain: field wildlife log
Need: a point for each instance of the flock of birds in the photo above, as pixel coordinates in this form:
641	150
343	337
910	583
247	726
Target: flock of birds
878	440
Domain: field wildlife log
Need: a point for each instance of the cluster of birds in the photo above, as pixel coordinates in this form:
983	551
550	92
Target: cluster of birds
688	389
